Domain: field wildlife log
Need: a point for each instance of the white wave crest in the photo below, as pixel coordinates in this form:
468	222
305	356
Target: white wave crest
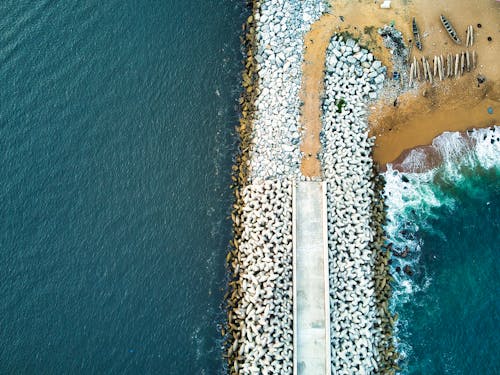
411	199
487	146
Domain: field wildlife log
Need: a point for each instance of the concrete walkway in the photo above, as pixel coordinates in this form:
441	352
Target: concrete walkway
310	272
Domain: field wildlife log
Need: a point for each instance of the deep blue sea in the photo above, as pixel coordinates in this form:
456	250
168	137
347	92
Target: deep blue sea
116	137
449	220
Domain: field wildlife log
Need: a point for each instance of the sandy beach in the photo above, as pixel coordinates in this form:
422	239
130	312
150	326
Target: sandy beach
422	113
451	105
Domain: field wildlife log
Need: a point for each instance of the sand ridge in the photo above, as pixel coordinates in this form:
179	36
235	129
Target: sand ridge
316	42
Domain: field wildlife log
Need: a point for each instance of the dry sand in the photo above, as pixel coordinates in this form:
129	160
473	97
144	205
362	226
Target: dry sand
316	41
451	105
423	113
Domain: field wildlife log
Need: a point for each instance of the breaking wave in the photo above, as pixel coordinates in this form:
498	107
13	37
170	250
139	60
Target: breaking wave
416	197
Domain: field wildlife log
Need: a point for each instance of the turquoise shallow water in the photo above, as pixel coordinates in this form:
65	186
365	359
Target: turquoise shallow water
449	219
116	139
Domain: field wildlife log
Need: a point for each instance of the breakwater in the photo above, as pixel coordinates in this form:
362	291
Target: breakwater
263	314
358	267
276	130
260	303
260	336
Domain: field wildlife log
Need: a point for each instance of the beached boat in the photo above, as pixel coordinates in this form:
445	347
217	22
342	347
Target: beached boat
416	35
449	28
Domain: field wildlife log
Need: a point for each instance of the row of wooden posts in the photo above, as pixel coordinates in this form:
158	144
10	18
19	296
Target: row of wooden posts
452	66
469	36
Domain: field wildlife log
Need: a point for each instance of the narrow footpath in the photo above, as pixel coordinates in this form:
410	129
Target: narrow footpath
316	42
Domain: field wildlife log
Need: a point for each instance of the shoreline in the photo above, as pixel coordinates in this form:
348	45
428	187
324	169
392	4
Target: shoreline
416	197
427	157
426	110
414	124
329	137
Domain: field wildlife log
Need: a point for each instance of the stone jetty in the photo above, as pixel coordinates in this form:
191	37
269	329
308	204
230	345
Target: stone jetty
263	315
358	319
260	304
259	333
280	27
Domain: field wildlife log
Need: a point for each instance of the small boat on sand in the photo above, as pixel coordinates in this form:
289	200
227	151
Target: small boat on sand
416	35
449	28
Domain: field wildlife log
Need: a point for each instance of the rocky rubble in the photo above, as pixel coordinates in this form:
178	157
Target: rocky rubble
260	311
353	78
260	337
261	319
280	29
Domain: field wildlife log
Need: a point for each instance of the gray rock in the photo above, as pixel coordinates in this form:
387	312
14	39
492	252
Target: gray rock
379	79
351	60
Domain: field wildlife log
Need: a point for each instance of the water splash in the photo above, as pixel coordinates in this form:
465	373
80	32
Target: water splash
413	200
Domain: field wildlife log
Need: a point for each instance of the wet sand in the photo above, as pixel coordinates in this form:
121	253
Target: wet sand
456	104
417	120
421	114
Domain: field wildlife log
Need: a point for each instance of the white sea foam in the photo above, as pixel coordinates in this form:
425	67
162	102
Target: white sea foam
479	147
487	149
413	197
415	160
451	145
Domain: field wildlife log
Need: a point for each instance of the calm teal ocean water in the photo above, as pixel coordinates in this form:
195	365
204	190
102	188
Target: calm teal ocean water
116	139
449	219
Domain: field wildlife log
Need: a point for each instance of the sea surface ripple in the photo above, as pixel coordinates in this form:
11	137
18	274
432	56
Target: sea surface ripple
116	138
